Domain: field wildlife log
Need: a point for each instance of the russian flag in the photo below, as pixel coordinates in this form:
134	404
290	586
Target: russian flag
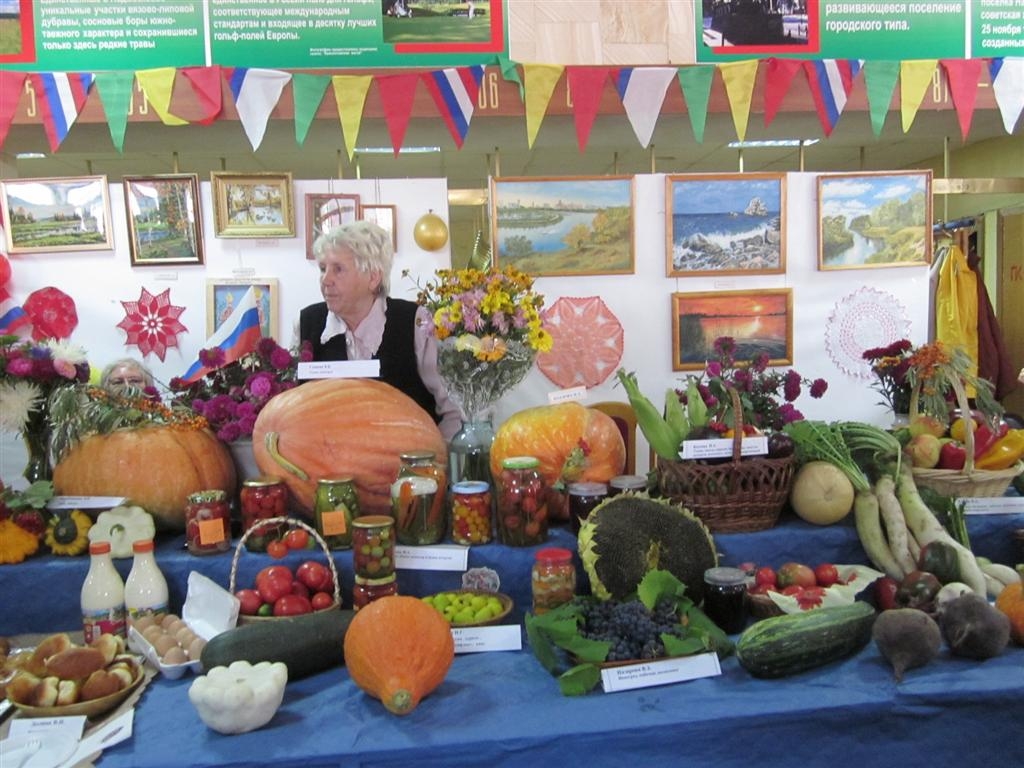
61	97
455	91
238	336
256	93
831	81
642	91
12	317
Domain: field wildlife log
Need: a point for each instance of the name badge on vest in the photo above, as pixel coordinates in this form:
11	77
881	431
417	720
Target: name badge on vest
340	369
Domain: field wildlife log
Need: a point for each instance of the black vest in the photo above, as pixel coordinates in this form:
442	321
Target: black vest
397	353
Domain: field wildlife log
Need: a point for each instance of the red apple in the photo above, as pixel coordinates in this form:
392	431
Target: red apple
795	573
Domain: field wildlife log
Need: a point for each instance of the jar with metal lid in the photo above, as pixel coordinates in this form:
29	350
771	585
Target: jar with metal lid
631	483
335	507
208	523
725	591
418	499
553	579
260	499
583	497
471	512
522	503
373	546
365	591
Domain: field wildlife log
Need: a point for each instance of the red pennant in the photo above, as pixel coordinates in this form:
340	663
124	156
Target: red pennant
963	76
396	94
585	85
778	79
10	94
206	85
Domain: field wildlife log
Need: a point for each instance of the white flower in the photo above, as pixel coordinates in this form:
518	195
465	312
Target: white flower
66	351
19	398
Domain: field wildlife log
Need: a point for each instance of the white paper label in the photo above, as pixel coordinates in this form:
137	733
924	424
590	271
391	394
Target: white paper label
437	557
340	369
662	672
998	505
722	447
503	637
84	502
567	395
72	726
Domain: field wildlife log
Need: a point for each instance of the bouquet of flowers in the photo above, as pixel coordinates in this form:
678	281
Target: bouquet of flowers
891	364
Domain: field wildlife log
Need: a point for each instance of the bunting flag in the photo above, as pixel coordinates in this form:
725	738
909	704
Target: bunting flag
307	93
396	94
1008	87
455	91
777	81
510	74
12	316
205	82
831	81
585	87
10	94
696	84
915	77
256	93
541	80
115	90
350	96
739	79
642	90
879	82
237	336
60	96
158	85
962	76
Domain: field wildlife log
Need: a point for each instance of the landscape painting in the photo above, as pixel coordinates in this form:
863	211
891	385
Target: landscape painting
725	224
581	225
163	219
759	320
871	220
48	215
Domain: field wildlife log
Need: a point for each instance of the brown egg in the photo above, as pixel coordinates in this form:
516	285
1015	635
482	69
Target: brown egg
142	623
175	627
175	655
163	644
184	636
152	632
169	619
195	648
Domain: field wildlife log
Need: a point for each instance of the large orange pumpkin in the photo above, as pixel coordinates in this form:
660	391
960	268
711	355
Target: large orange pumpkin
156	467
342	428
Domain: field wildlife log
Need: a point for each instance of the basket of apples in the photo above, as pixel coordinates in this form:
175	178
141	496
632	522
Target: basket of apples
795	587
278	590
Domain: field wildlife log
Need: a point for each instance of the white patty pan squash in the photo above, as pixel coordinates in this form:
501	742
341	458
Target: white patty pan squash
122	526
241	697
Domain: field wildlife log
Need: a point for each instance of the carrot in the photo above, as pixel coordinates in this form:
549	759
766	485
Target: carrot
406	505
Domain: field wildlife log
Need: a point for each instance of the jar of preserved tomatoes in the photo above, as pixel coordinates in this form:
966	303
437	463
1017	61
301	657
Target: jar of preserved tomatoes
365	591
335	507
583	497
208	523
260	499
471	512
418	499
522	505
373	546
553	579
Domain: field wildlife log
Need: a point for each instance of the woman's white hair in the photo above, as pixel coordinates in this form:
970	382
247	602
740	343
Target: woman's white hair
369	244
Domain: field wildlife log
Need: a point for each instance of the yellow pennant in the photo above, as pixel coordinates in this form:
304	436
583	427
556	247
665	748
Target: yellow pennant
158	84
915	77
350	94
541	80
739	79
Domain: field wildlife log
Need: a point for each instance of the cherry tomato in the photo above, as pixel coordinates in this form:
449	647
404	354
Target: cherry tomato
249	601
276	571
315	575
292	605
765	575
274	587
297	538
277	549
826	575
322	600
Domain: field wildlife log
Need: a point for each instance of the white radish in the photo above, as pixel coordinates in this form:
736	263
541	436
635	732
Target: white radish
1002	573
894	523
872	538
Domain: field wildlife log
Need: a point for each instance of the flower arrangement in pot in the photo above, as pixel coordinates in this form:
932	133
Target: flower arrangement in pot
891	364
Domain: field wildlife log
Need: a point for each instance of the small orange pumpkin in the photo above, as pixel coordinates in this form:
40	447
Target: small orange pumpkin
1011	602
398	649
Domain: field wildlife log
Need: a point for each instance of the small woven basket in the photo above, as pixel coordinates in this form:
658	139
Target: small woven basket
735	496
290	521
968	482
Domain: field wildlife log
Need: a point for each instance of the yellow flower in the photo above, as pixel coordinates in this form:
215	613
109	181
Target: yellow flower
491	348
467	342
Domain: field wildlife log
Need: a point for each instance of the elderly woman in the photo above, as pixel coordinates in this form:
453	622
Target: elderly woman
126	373
357	320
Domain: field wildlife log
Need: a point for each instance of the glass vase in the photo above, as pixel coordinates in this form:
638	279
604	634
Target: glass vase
37	442
469	451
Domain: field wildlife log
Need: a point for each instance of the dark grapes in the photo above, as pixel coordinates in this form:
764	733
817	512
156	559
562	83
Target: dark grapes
629	628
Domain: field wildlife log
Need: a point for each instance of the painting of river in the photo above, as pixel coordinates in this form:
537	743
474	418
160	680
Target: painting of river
50	215
725	224
874	220
568	226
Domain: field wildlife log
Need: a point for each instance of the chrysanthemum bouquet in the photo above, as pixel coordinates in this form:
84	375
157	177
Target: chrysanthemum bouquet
891	364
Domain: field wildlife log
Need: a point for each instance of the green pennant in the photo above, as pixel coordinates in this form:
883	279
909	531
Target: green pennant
308	92
880	81
115	90
510	71
696	84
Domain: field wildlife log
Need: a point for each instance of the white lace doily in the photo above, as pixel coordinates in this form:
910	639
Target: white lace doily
862	320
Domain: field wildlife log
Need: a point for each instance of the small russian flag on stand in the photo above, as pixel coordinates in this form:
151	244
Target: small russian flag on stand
238	336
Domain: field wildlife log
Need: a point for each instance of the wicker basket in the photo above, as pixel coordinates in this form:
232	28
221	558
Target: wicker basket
969	481
290	521
735	496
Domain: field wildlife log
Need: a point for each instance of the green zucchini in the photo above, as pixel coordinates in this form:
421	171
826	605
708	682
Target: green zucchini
306	644
795	642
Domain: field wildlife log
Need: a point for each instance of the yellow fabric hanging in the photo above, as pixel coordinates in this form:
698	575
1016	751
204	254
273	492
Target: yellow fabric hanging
956	307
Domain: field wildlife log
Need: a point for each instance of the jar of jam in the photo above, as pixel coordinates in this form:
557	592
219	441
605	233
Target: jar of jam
208	523
471	512
335	507
583	497
365	591
373	546
725	591
631	483
418	499
522	505
262	498
553	579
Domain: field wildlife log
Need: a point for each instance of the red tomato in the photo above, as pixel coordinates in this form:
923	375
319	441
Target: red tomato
297	538
276	571
322	600
249	601
886	588
314	575
277	549
274	587
298	588
761	589
793	590
292	605
766	576
795	573
826	575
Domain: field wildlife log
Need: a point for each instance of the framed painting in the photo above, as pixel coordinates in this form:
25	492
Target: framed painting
59	214
760	320
252	204
725	224
384	216
868	220
224	296
326	211
579	225
163	219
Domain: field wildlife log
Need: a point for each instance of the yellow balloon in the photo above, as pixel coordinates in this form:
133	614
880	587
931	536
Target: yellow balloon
430	232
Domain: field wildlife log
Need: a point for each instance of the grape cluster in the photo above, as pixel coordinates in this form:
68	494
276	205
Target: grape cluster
629	627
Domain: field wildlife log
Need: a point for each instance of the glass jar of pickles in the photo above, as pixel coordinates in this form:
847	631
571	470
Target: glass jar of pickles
471	512
553	579
365	591
335	507
373	546
208	523
260	499
418	499
522	504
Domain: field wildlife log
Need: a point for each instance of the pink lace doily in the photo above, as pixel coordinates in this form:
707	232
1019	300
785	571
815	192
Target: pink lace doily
587	345
862	320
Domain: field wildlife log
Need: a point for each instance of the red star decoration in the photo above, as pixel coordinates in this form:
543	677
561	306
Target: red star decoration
152	323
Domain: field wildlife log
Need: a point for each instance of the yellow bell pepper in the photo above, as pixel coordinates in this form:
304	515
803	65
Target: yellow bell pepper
1006	452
